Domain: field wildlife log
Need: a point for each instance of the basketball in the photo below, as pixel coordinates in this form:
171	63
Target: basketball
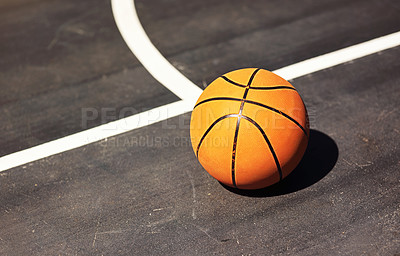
249	128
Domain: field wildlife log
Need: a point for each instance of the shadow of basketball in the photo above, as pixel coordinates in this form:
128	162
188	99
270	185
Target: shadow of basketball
318	160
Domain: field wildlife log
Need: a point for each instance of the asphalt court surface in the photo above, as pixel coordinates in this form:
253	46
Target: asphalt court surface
143	192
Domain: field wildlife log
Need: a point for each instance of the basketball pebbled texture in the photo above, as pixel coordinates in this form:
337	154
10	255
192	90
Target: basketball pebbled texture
249	128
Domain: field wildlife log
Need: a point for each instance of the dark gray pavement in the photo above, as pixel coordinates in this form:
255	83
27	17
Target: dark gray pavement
143	192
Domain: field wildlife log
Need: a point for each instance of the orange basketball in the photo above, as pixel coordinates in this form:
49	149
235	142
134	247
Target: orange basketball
249	128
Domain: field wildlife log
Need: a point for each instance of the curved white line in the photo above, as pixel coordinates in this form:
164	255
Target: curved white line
128	23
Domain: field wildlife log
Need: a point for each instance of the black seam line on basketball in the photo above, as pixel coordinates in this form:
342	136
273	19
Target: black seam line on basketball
232	82
217	98
235	138
234	151
279	112
209	129
252	76
273	88
258	104
248	88
278	166
277	87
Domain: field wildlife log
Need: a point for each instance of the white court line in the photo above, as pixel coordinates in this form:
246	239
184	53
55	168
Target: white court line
94	134
155	63
136	38
340	56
